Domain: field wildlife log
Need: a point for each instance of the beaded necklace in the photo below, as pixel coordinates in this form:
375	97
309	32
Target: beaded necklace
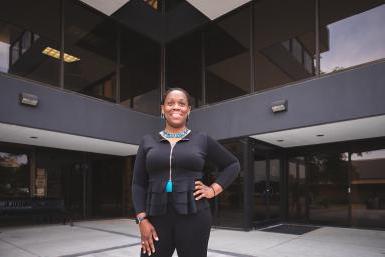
174	135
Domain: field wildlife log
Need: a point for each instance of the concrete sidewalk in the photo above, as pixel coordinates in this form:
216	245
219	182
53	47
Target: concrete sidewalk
119	237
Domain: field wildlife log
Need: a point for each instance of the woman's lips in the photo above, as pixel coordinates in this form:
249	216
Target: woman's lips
176	115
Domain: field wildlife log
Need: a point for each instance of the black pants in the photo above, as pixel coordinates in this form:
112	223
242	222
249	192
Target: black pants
188	234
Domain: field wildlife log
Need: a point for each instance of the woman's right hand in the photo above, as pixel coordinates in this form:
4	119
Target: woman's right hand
147	233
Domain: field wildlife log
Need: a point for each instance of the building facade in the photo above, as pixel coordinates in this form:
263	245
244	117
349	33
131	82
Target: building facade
295	89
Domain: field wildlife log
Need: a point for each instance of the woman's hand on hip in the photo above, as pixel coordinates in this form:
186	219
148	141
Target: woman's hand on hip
201	190
148	235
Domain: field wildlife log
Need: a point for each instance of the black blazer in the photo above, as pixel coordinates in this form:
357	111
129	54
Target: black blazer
152	171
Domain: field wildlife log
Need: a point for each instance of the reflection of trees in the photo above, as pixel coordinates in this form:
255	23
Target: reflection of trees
328	168
328	178
13	179
335	69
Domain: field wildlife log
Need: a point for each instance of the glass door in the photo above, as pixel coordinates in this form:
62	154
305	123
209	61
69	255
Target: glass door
266	193
228	207
342	188
261	207
368	188
297	193
327	183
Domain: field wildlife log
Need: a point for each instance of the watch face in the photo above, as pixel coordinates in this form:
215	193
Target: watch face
138	220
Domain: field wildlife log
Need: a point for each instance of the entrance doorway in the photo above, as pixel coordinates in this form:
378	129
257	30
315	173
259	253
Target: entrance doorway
266	197
337	187
368	188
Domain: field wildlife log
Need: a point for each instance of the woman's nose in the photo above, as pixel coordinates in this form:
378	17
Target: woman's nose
176	107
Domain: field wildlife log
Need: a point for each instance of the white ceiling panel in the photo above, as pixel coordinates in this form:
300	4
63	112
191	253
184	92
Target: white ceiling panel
215	8
106	7
332	132
39	137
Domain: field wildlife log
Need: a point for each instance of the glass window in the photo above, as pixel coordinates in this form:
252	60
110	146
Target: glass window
297	50
155	4
273	189
351	33
26	41
15	49
184	66
368	188
327	184
171	4
259	194
14	173
287	45
89	52
228	207
296	189
139	72
283	37
308	62
27	28
227	48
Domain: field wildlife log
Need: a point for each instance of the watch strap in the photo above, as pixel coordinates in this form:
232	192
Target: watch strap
140	219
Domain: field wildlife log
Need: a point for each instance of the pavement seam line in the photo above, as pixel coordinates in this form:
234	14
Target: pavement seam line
230	253
108	231
20	248
99	250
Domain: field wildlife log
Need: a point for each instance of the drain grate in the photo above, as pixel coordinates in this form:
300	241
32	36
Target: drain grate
291	229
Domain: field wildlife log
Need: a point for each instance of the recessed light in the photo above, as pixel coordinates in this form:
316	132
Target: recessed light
320	135
56	54
280	140
33	137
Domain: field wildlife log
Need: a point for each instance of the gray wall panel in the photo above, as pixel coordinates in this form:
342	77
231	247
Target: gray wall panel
350	94
69	112
345	95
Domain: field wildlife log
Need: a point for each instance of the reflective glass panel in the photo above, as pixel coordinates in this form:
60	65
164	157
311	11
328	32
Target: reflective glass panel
184	66
228	207
284	36
327	188
89	52
227	52
139	72
27	28
368	188
296	189
274	189
351	33
259	194
14	173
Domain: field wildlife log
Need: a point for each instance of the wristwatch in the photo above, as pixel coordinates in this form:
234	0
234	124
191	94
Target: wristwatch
140	219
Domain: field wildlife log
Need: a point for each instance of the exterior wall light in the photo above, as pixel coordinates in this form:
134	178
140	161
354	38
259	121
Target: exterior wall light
28	99
279	106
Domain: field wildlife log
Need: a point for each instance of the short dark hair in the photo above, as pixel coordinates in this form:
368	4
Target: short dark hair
176	88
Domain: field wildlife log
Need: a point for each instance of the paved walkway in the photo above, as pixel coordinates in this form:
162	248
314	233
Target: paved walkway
119	237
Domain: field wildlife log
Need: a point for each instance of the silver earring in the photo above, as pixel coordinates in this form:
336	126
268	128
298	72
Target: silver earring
188	116
162	116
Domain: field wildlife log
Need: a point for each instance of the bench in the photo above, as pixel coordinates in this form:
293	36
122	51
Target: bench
38	209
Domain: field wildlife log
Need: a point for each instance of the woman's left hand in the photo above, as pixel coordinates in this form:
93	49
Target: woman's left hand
201	190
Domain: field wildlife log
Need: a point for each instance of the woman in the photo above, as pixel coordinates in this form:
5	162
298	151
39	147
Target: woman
170	200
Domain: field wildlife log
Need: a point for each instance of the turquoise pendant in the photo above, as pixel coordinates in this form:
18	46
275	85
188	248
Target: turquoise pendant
169	186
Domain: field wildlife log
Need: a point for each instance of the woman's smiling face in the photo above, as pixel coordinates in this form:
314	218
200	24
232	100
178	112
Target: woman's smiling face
176	108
